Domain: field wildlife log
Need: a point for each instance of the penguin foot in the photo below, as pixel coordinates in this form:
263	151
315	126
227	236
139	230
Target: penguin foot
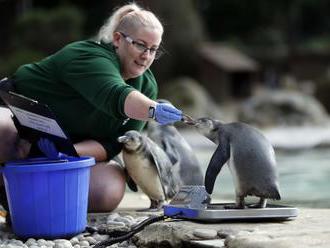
239	204
234	206
150	209
261	204
155	206
155	209
257	205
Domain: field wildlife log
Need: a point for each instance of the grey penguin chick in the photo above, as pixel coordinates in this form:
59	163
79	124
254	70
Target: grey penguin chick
150	168
178	150
250	157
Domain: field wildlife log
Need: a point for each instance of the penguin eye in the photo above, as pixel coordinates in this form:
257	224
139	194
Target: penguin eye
204	122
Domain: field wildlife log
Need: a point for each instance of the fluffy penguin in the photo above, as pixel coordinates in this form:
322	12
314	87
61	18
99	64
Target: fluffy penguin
250	157
178	150
150	168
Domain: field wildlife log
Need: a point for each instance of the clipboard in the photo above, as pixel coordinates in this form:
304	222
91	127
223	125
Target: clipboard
35	120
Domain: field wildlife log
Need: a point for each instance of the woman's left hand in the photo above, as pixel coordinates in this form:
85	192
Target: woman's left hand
166	113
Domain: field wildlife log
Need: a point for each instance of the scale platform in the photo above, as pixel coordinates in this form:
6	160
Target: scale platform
193	203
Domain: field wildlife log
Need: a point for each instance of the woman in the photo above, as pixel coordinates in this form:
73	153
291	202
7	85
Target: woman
99	90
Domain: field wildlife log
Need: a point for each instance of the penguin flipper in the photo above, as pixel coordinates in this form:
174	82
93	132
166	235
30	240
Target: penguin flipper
219	158
130	182
132	185
171	151
164	169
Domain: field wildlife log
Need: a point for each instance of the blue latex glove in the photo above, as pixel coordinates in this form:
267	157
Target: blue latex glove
49	150
166	113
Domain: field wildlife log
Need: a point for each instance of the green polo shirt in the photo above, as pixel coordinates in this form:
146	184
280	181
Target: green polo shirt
82	84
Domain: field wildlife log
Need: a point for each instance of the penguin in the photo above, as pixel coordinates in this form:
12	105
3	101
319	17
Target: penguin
150	168
250	157
178	150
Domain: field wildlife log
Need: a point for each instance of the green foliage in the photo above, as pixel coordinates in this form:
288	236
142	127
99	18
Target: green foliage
292	20
183	34
48	30
319	44
40	32
9	66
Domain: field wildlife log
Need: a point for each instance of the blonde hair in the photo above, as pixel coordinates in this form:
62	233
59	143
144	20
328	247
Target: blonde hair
128	18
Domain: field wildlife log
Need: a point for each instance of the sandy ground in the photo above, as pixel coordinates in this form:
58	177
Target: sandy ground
134	201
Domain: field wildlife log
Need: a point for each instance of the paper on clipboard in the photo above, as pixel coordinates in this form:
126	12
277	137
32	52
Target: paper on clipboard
38	122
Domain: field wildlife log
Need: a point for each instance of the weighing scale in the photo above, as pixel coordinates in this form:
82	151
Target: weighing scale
192	202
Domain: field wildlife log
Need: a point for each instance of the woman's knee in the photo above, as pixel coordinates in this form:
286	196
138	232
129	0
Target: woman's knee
8	135
11	146
107	187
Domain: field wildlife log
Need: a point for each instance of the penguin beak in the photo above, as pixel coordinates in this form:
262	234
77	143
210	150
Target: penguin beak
197	124
188	120
123	139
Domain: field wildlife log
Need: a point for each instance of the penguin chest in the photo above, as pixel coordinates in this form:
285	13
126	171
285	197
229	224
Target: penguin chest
233	172
144	174
247	176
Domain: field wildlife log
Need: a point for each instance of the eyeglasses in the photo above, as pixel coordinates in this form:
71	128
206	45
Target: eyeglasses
156	52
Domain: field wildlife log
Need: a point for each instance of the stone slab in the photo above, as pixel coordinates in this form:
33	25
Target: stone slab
310	229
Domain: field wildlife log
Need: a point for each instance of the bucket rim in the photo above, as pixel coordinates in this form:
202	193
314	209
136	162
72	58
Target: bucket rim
44	164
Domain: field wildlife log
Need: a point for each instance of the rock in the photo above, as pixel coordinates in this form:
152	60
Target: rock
62	243
129	217
205	233
224	233
80	237
84	243
91	240
17	242
163	234
116	223
286	108
42	242
113	216
187	94
74	241
30	241
97	237
124	220
123	244
50	243
310	229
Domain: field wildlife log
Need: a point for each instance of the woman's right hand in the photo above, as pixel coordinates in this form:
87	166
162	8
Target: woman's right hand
23	148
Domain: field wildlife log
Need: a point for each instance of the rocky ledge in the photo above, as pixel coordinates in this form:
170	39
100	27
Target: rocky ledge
310	229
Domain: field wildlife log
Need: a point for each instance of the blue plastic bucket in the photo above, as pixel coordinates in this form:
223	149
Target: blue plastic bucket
48	199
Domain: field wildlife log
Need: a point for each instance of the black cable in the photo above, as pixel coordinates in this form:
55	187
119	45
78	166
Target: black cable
114	233
139	227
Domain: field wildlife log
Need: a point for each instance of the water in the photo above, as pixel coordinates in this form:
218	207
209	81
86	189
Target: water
304	176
